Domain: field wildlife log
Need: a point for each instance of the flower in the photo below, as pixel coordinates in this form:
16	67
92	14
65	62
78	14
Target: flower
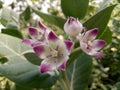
37	35
72	27
89	44
54	51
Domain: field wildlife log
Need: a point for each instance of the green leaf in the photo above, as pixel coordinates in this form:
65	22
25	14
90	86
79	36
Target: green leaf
116	86
119	1
18	69
51	18
26	14
75	8
12	32
79	72
107	35
33	58
100	20
74	55
9	16
1	4
3	60
3	22
21	88
12	25
7	86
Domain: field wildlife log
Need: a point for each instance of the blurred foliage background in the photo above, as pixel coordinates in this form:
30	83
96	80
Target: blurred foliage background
18	15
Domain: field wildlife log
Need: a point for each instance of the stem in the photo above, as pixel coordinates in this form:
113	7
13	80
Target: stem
63	84
76	49
65	80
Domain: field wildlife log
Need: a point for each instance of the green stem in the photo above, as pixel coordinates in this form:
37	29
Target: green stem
63	85
76	49
65	80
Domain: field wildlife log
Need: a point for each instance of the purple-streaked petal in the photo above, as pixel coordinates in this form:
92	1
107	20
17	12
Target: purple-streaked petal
33	32
63	65
98	44
39	50
52	36
90	35
27	41
45	67
85	47
97	54
69	44
89	50
42	26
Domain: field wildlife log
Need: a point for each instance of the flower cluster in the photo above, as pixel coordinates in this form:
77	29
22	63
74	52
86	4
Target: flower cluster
55	51
49	47
88	43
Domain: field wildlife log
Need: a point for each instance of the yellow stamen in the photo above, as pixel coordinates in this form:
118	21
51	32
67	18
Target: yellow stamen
89	43
54	53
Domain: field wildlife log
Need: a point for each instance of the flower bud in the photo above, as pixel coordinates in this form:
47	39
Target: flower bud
72	27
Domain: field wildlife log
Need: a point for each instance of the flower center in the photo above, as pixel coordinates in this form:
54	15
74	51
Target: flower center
89	43
41	36
54	53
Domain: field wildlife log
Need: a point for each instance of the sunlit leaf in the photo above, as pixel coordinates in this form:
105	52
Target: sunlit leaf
18	69
9	16
12	25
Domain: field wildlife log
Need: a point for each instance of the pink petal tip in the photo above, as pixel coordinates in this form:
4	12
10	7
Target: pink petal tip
42	26
39	50
27	42
45	67
52	36
33	31
69	45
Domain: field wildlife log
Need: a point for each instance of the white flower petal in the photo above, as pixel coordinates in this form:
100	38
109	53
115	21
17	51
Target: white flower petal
90	35
63	65
69	45
52	36
85	47
40	51
42	26
46	67
28	41
98	44
98	54
33	32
